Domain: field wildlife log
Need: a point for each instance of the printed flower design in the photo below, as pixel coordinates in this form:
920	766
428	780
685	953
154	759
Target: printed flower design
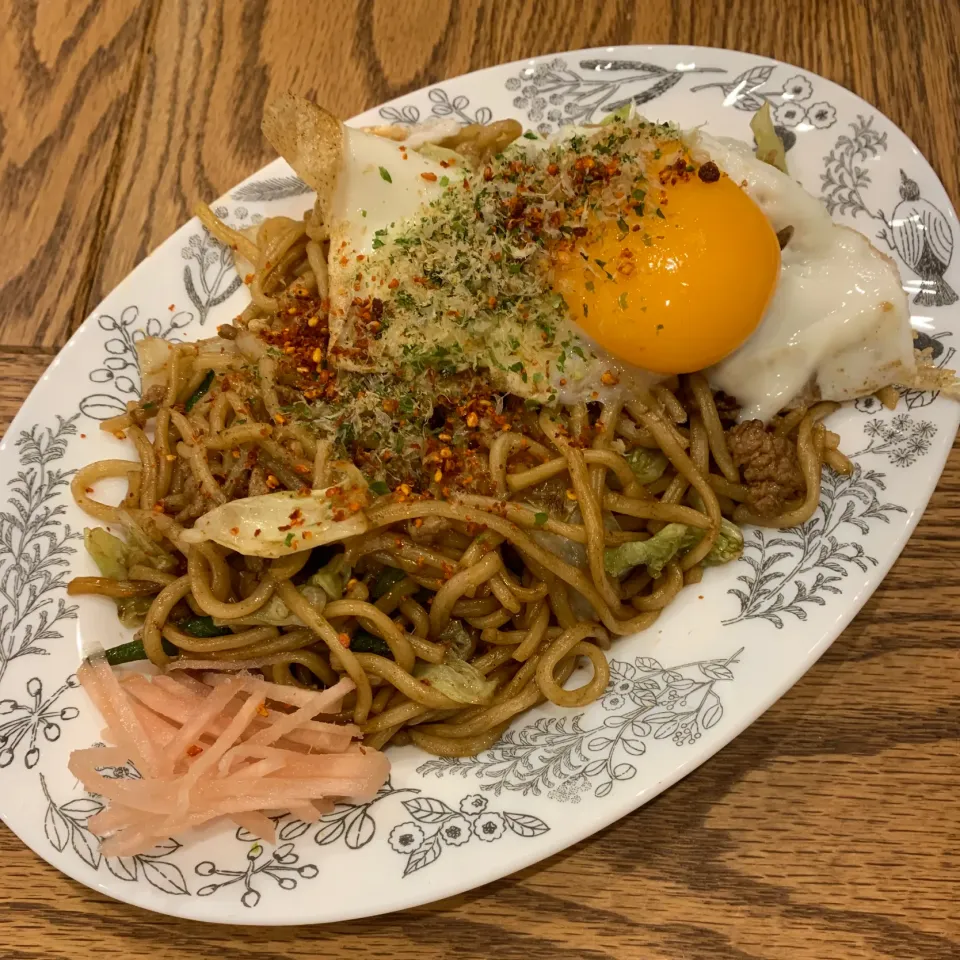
902	439
282	866
473	804
489	827
27	720
822	115
626	687
797	88
869	405
789	114
456	831
569	790
439	826
745	92
613	701
406	838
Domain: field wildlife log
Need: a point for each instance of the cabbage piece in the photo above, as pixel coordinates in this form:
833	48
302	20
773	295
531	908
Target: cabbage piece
458	680
728	545
621	113
673	539
332	578
461	643
114	557
132	611
109	552
153	355
274	524
769	145
647	465
275	613
142	549
654	553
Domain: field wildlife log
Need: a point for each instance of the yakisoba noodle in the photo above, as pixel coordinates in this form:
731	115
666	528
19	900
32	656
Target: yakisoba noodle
504	578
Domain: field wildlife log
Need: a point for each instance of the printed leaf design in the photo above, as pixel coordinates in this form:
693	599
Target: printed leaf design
86	847
716	671
270	189
328	832
428	810
360	830
648	663
785	582
296	829
82	808
123	868
164	876
525	824
162	849
56	828
711	716
424	856
553	93
563	756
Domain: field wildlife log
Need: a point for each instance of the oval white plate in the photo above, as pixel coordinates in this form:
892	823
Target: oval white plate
718	658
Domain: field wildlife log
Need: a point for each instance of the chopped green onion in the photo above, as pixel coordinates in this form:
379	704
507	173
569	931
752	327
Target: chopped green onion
388	578
133	651
202	627
199	392
385	175
363	642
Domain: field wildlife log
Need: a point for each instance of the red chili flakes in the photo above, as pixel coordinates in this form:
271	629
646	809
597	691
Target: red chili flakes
194	751
429	176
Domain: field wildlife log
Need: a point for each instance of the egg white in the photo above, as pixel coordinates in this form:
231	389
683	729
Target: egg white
839	317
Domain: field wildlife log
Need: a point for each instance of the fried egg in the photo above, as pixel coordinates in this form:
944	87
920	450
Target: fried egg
595	264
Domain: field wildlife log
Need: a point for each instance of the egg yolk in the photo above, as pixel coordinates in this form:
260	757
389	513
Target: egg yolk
677	283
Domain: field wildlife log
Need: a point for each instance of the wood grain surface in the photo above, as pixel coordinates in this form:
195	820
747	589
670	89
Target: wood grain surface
830	828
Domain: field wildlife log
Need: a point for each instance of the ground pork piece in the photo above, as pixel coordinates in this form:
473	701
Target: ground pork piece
769	466
147	407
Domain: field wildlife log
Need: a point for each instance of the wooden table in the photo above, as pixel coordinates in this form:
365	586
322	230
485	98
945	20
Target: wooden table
830	828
